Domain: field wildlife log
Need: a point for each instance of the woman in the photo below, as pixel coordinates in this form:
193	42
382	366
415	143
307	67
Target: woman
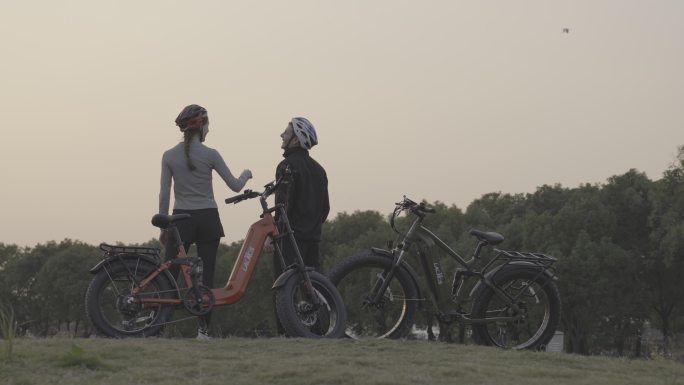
189	166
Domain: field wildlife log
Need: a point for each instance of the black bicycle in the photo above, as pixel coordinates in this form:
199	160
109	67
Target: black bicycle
511	301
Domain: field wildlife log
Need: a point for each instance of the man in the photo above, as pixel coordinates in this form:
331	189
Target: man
304	192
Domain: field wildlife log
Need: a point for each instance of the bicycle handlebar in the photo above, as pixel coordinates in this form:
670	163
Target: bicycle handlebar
428	209
416	208
248	194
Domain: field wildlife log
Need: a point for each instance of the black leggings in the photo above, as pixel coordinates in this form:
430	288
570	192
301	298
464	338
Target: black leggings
206	250
203	229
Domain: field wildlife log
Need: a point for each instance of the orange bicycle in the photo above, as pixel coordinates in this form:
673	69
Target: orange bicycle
133	294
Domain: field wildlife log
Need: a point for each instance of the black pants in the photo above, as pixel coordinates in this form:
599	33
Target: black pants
207	251
204	230
307	248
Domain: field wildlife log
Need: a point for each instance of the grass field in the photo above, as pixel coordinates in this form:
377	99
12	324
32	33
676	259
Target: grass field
298	361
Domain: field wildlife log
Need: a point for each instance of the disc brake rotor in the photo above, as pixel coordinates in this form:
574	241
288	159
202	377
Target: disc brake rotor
127	305
307	314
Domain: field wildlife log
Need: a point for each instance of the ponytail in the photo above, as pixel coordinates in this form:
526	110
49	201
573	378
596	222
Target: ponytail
188	134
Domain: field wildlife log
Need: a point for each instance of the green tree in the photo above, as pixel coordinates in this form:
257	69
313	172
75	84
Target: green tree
628	197
665	263
9	254
348	234
19	281
61	283
579	272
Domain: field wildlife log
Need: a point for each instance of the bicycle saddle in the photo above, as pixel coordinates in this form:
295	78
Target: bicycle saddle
164	221
487	236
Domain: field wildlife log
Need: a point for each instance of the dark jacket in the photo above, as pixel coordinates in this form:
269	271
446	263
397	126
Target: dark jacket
304	191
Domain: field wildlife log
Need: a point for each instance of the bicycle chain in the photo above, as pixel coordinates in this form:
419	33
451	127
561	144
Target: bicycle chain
171	322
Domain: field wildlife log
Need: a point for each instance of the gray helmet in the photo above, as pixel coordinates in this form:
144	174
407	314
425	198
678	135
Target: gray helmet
305	131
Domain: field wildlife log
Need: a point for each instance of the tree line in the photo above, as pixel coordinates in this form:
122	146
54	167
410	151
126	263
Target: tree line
619	245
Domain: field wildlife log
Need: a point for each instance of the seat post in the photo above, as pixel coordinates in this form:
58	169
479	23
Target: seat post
479	247
173	242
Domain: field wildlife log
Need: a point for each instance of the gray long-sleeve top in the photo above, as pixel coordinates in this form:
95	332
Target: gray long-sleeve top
193	189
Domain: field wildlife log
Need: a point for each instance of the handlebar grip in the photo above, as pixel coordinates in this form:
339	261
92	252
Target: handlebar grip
235	199
240	197
423	208
248	194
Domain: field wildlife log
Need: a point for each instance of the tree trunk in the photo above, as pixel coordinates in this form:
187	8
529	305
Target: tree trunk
637	345
622	329
578	340
664	312
620	345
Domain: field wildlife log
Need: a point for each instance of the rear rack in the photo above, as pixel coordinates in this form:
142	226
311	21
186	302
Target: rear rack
537	258
111	249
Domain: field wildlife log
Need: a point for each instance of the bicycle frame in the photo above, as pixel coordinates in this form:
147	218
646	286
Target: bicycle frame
235	288
251	250
240	276
447	299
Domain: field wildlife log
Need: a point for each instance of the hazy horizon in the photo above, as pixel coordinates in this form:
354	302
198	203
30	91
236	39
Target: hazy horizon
437	100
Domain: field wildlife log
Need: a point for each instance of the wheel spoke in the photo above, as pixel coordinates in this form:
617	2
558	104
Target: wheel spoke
301	316
114	308
532	311
391	315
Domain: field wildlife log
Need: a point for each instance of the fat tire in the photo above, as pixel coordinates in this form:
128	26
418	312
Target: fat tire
369	259
286	308
511	273
100	281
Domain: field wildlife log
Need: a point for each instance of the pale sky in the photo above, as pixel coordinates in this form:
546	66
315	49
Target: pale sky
437	100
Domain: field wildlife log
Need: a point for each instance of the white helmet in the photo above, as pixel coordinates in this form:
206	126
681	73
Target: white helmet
305	131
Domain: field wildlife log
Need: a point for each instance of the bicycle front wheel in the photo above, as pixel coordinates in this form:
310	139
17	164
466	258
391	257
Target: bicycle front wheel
537	299
113	309
302	316
390	315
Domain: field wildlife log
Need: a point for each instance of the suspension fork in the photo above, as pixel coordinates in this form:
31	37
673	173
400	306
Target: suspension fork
308	286
382	284
279	251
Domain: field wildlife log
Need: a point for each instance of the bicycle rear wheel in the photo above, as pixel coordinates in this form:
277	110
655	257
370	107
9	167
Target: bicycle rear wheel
538	299
391	316
116	312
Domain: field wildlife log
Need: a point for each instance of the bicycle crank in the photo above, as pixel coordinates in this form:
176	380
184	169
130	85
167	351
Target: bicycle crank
199	304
